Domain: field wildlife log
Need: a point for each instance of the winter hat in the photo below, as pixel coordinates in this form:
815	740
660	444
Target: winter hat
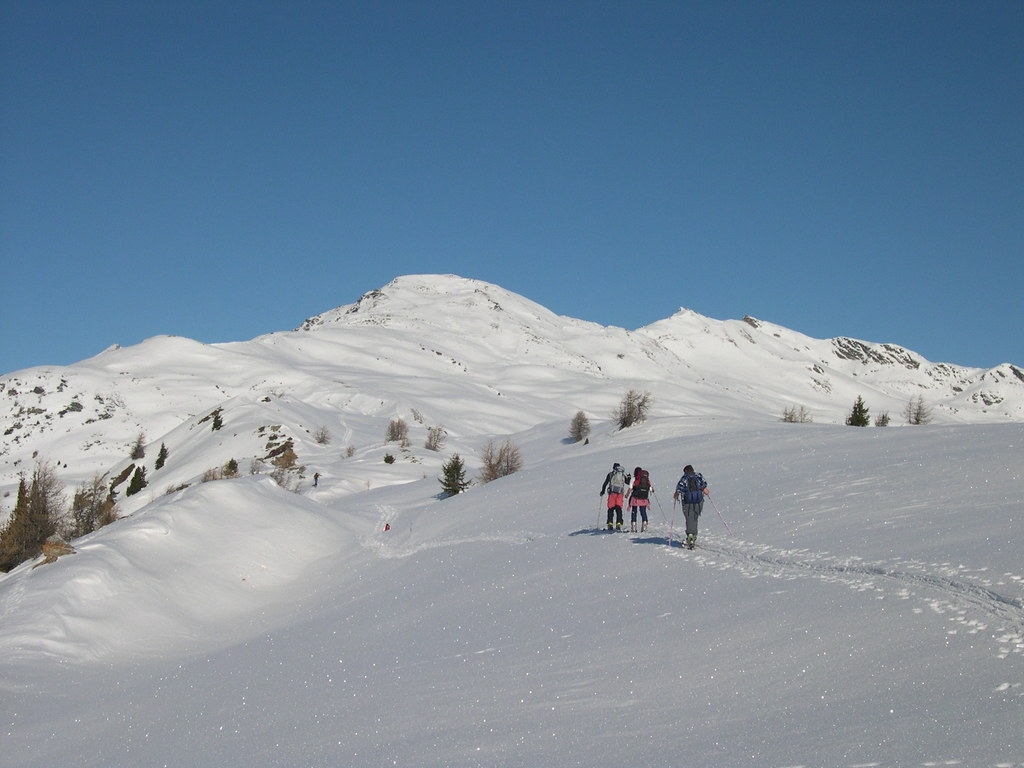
688	469
616	465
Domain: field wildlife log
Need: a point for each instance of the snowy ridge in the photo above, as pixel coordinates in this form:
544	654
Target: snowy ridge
408	348
865	605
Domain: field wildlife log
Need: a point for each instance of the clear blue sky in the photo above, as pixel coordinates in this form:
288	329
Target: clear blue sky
219	170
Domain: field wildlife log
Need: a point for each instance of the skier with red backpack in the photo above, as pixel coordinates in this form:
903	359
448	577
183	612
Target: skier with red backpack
639	498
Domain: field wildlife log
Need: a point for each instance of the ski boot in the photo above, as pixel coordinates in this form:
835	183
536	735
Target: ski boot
691	541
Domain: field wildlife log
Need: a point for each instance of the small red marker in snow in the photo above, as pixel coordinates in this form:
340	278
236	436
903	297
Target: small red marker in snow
387	526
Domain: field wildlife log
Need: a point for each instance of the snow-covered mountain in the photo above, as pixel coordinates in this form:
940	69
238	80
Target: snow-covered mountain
416	345
856	597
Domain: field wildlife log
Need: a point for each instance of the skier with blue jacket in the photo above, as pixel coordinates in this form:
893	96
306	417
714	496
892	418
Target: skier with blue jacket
690	490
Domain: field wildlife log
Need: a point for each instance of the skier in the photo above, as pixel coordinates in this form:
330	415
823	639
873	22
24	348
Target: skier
316	479
691	489
615	483
639	498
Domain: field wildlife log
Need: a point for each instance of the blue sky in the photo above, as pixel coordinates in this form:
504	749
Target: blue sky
219	170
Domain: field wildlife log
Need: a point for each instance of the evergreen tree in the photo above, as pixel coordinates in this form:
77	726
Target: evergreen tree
15	533
138	482
161	457
38	511
859	415
453	478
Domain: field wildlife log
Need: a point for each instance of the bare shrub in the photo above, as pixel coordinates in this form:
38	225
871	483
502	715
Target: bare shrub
397	431
287	471
579	427
91	507
499	461
794	415
322	435
435	438
139	447
916	412
632	409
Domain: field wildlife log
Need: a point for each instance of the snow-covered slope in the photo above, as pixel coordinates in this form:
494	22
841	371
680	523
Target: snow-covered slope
864	606
415	346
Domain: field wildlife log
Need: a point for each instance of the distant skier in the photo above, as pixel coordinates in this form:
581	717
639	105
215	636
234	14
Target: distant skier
615	483
316	479
690	490
639	498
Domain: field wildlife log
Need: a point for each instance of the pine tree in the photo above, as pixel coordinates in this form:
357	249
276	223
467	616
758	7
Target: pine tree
138	482
161	457
453	479
859	415
38	511
15	534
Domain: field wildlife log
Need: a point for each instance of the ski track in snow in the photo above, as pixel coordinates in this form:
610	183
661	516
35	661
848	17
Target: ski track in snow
394	540
973	606
966	596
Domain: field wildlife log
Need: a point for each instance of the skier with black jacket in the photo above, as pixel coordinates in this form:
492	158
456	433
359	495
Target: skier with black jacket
639	498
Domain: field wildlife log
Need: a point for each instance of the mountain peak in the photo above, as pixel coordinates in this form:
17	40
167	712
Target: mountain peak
441	300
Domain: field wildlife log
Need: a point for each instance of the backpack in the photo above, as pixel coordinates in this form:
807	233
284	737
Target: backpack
695	486
643	483
616	481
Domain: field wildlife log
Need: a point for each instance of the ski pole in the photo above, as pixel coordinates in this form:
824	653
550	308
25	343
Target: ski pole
661	509
719	514
672	525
